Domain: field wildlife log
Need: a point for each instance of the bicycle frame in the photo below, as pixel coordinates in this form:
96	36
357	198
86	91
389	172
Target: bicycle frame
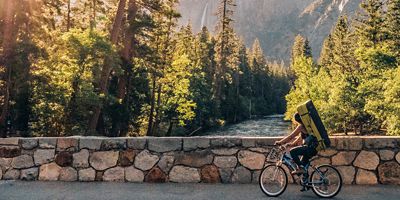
288	162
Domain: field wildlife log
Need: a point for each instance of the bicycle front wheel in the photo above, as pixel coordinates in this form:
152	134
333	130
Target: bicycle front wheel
326	181
273	180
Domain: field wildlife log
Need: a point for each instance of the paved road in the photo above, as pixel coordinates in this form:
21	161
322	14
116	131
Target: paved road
10	190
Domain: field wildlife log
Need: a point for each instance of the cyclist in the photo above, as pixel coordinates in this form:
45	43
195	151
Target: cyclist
303	144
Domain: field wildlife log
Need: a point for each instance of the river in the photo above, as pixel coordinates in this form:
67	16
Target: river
272	125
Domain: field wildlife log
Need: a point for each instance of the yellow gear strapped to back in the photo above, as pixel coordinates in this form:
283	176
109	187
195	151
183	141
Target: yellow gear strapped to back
313	124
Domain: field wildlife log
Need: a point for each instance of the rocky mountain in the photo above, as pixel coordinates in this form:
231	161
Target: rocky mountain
274	22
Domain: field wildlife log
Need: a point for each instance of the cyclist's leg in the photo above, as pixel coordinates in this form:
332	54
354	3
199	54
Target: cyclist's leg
296	152
308	154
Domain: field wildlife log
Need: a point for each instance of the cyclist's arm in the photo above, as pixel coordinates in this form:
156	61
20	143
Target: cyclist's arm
290	137
297	142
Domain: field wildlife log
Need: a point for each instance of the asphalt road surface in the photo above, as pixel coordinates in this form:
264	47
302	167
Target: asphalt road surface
19	190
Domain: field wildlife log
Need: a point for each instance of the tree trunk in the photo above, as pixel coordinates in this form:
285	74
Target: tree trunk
126	55
169	132
152	104
105	73
69	16
127	51
8	44
157	117
237	96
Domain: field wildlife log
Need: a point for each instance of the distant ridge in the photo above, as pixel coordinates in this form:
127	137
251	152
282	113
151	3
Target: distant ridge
274	22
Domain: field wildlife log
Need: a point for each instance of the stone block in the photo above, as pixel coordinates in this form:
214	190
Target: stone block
266	141
193	143
260	150
145	160
389	173
137	143
210	174
29	143
5	164
327	152
133	175
92	143
386	155
367	160
9	151
226	174
320	161
365	177
225	151
156	175
347	173
23	161
47	143
99	176
126	157
162	145
103	160
251	159
68	143
194	159
225	161
64	159
249	142
116	174
182	174
43	156
380	143
241	175
12	174
113	143
343	158
398	157
166	162
81	159
225	142
49	172
88	174
68	174
256	176
347	143
9	141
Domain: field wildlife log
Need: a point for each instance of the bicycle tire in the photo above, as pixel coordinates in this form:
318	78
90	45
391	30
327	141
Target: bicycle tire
340	182
261	184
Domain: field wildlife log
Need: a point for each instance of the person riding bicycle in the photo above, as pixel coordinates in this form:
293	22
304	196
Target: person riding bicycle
303	144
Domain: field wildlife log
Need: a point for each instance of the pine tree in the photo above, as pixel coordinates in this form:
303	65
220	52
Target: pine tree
260	80
392	27
224	46
375	60
201	82
326	56
370	23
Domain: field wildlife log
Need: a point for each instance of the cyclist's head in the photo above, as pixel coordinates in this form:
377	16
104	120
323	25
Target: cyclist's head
297	118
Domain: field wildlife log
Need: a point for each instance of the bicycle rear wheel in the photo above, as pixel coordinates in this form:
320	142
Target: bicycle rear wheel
326	181
273	180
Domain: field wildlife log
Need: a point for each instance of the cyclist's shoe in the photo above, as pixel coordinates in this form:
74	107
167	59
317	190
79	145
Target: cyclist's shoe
304	189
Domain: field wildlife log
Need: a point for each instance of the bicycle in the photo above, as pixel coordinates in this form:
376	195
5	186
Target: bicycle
325	180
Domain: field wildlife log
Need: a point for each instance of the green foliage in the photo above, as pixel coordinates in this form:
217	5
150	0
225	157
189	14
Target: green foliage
356	85
63	92
163	80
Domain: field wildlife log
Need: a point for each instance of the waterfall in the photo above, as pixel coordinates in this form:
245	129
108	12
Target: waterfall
203	18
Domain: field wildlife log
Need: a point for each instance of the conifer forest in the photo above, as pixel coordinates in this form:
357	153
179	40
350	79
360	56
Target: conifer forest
128	68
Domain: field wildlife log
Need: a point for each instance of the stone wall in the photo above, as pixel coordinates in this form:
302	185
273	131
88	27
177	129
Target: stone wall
361	160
